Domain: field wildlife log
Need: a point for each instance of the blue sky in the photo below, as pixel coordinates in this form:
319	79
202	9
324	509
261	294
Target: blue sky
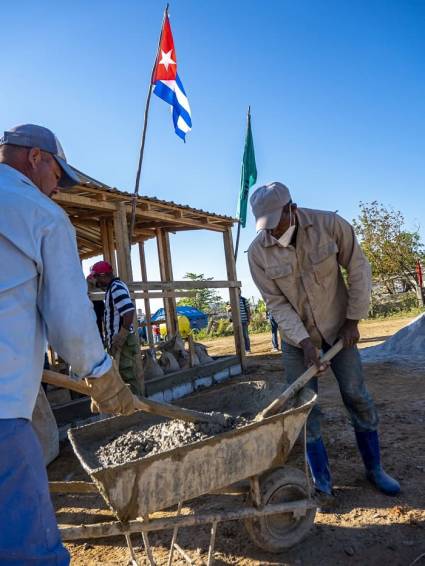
337	91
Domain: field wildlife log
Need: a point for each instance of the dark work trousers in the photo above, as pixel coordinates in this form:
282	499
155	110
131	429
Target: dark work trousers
275	333
348	371
245	333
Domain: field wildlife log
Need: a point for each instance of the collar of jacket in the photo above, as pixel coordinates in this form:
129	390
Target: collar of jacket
304	221
112	281
10	171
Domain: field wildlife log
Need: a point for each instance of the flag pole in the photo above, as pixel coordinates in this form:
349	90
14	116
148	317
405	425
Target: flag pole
238	234
143	139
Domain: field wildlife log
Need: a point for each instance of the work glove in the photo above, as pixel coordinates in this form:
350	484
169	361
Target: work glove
118	341
110	394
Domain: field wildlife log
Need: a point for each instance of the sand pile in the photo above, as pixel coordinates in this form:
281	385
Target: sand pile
141	441
405	346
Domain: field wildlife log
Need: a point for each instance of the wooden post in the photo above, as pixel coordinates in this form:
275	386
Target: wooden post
125	271
107	252
146	301
166	271
123	245
109	225
234	296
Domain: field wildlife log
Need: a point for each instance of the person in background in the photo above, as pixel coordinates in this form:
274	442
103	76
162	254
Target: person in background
156	332
98	305
275	332
141	329
295	261
43	298
245	312
120	338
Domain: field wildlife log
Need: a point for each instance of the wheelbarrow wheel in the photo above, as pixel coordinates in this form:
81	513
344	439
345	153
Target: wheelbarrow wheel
276	533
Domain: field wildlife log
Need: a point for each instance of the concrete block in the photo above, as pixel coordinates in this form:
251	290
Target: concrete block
182	390
236	369
168	395
203	382
157	396
221	375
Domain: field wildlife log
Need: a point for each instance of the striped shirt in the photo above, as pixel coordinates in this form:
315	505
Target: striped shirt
117	303
244	308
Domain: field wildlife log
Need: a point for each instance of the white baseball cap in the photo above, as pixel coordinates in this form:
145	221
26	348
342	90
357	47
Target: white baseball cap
267	203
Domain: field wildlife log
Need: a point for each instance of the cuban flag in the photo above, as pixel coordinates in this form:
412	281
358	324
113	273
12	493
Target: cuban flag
168	85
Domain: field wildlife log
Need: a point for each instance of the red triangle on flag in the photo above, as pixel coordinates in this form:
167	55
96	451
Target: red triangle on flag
166	61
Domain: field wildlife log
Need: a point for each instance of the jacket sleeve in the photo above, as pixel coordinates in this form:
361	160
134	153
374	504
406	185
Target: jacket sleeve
352	258
277	304
64	304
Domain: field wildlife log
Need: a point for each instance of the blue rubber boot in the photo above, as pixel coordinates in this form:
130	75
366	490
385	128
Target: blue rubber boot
368	443
319	466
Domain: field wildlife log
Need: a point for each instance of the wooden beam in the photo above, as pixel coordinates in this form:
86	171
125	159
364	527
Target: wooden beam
111	244
166	272
126	274
173	221
140	231
92	222
155	211
234	295
107	253
123	245
148	313
185	284
84	237
149	294
84	202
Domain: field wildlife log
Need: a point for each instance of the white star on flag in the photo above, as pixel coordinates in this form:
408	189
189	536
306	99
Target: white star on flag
166	59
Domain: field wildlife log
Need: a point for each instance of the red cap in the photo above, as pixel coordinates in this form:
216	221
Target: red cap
100	268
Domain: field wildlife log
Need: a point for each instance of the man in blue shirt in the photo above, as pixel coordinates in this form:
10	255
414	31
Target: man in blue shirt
39	255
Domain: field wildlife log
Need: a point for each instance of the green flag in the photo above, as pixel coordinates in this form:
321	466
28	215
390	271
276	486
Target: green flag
249	173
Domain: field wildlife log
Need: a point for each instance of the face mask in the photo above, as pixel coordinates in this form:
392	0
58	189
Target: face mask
286	237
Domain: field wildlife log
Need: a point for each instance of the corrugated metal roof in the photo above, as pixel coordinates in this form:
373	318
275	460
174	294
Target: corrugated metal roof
93	183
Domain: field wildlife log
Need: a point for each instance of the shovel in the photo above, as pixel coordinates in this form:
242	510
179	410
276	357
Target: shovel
147	405
298	384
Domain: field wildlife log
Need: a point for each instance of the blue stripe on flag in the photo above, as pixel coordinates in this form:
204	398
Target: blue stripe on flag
168	94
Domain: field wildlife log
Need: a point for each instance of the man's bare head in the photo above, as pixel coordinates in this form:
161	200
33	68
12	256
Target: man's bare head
36	152
39	166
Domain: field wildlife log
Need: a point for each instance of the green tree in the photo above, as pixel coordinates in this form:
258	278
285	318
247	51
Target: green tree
260	306
206	300
391	249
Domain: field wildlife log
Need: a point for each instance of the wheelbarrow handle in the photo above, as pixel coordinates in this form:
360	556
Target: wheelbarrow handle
299	383
143	404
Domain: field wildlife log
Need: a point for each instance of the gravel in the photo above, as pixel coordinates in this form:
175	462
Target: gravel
141	441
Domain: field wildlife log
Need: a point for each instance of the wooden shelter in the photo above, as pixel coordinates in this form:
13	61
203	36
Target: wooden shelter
101	216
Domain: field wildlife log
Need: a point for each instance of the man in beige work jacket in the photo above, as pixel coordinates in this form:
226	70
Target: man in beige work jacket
296	261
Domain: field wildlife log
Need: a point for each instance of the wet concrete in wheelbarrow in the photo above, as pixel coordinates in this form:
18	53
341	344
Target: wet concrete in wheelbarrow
240	402
141	441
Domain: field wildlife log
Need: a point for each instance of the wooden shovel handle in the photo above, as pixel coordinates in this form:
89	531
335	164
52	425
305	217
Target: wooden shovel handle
61	380
147	405
299	383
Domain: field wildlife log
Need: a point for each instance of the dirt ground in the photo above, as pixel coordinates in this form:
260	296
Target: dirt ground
364	528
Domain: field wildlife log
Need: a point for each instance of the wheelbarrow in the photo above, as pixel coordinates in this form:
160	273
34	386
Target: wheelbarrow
277	508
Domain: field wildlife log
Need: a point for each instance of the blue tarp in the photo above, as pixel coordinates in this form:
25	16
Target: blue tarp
197	318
